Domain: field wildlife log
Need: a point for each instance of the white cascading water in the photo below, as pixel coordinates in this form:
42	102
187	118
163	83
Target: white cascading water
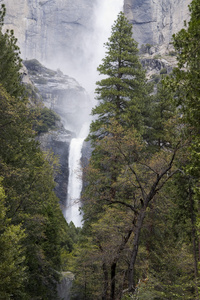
75	177
105	13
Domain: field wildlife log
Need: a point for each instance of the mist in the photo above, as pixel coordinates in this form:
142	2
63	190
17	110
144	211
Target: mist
88	46
86	53
66	35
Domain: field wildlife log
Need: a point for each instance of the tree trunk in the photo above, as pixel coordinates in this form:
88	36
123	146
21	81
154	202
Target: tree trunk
105	287
131	282
112	288
194	239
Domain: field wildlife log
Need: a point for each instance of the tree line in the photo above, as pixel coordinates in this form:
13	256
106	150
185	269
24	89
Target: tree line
140	238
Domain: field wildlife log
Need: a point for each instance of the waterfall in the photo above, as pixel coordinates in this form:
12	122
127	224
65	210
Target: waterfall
74	182
104	15
75	177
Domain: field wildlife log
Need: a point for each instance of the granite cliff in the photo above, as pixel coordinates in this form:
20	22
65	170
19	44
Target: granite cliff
61	93
154	21
49	29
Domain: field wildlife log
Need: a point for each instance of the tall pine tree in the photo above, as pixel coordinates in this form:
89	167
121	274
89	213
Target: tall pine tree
123	91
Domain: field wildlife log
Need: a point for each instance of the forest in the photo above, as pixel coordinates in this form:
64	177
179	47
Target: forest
141	199
33	231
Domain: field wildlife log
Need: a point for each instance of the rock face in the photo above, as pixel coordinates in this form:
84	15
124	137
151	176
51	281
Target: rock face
52	30
48	27
154	21
155	66
61	93
58	142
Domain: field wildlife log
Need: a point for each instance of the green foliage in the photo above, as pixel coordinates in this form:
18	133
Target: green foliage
35	68
28	182
172	53
156	78
162	131
2	15
186	43
10	61
145	48
115	198
163	274
12	258
31	92
185	84
140	210
45	119
163	71
123	94
33	231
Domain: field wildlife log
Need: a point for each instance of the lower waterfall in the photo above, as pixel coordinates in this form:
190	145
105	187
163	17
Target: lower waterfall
75	178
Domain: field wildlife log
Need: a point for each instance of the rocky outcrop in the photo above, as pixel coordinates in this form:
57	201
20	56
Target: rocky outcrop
61	93
58	142
156	66
154	21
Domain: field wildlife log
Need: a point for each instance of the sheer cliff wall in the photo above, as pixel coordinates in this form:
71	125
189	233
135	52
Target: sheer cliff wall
46	28
154	21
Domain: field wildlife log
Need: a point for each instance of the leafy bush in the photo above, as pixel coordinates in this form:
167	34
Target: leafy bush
45	120
145	48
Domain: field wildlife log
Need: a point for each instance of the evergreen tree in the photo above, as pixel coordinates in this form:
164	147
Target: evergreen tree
129	184
185	83
161	130
12	255
123	92
10	61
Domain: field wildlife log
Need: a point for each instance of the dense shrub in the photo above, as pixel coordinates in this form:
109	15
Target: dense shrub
46	119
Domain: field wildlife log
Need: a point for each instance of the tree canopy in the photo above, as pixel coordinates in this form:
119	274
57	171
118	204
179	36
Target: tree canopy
123	91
